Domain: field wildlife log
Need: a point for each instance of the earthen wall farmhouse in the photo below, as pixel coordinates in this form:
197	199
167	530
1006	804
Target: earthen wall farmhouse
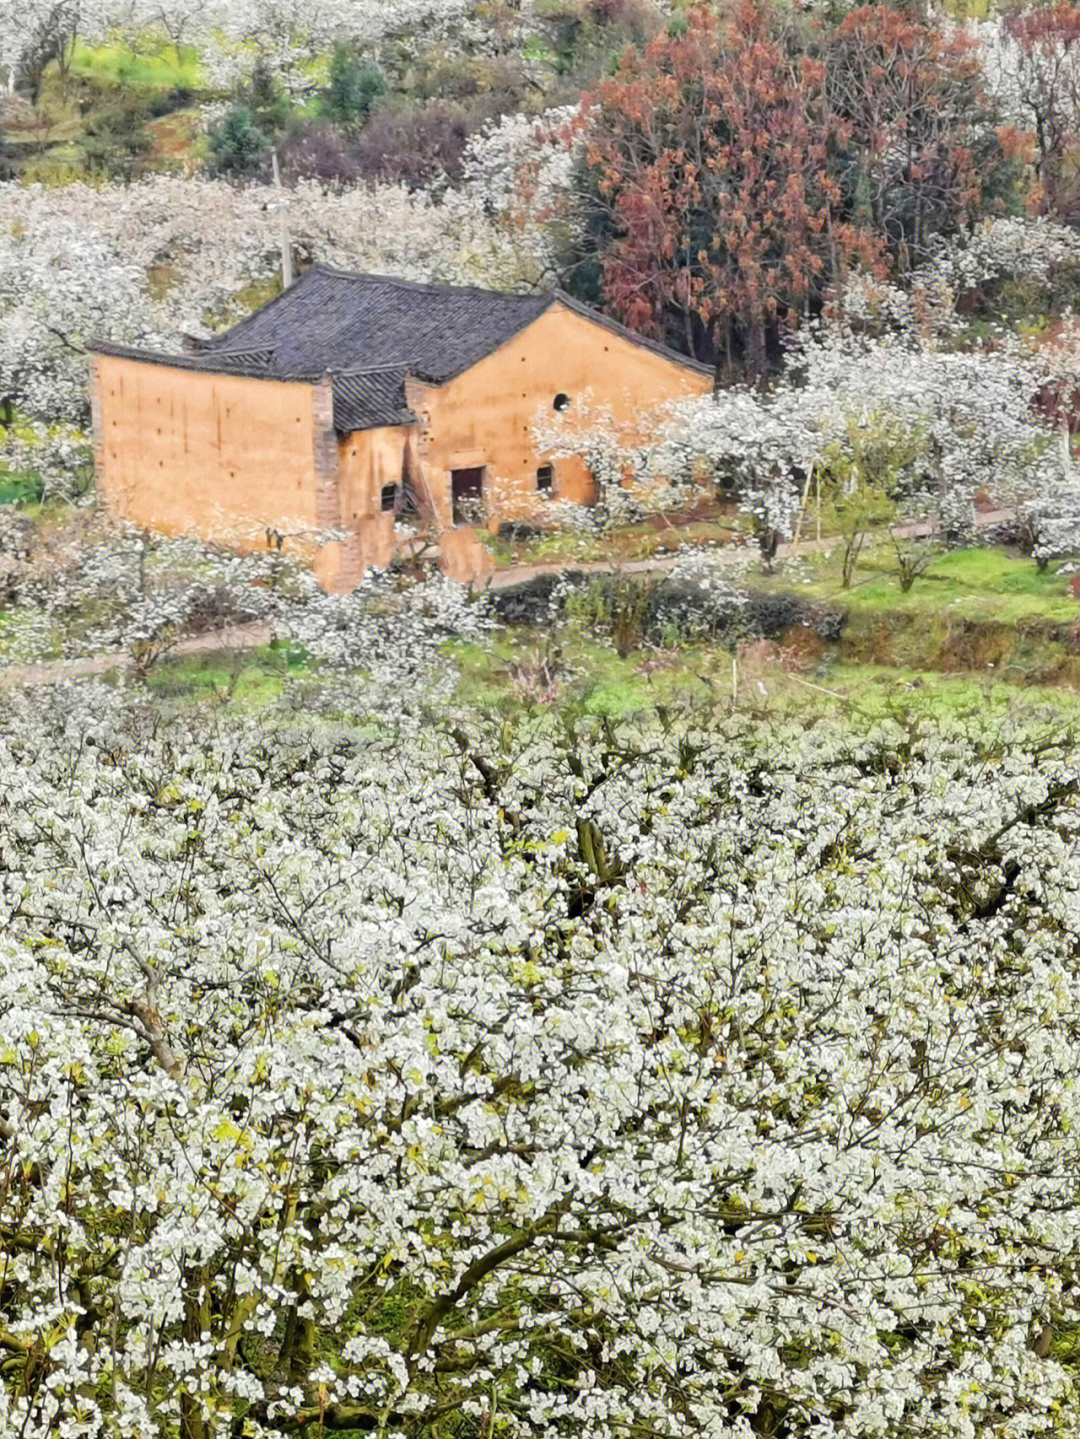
352	398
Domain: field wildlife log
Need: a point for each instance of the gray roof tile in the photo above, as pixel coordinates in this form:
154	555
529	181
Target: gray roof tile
334	321
370	398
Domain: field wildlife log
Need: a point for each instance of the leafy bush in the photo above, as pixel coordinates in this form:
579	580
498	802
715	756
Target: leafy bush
317	150
20	489
114	138
164	102
237	144
354	85
413	146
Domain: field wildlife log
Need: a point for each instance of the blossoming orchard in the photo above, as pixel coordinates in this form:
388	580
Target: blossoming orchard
573	1084
632	994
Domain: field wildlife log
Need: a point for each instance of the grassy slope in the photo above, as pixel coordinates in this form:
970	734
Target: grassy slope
984	629
906	652
980	585
976	584
154	66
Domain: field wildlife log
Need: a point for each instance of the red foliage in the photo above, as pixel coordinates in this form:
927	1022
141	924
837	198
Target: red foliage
744	163
1047	27
1048	83
711	152
909	91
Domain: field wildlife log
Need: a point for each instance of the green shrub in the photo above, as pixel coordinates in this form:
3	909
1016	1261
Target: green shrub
265	99
114	139
354	85
20	489
238	146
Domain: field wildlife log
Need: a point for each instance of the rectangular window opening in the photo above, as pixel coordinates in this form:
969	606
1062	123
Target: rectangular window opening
545	479
467	494
388	498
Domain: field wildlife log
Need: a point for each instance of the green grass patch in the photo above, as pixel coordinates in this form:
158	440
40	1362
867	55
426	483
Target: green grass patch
20	489
528	669
640	541
971	584
156	65
878	691
525	669
247	677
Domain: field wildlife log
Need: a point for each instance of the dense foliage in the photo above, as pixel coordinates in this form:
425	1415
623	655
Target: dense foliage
742	165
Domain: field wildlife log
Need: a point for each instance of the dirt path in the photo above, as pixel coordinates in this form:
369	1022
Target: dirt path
234	637
728	555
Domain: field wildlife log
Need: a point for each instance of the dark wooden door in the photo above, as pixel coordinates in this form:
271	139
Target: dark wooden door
467	492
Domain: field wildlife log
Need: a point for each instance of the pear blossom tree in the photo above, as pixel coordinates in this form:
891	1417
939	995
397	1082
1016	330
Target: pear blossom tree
895	424
1035	248
526	1081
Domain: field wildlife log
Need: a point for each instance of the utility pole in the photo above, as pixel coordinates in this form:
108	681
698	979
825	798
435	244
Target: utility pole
283	217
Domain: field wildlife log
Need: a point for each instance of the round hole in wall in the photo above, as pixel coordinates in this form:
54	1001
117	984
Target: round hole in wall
561	402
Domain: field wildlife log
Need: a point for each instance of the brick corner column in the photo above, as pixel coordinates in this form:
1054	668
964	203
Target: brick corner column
327	490
97	422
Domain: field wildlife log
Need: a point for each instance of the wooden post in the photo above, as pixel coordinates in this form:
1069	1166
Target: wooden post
802	509
283	219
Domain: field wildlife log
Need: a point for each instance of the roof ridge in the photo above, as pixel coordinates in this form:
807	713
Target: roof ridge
283	294
400	365
425	285
209	362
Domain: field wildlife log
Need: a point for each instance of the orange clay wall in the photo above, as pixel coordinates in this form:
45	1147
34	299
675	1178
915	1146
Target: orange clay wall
219	456
368	460
484	416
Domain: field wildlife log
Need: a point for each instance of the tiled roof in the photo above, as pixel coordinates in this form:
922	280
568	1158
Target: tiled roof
334	321
363	400
370	398
367	332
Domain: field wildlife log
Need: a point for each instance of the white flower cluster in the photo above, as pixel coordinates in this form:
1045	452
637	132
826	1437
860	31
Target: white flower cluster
60	456
965	420
1004	249
523	166
584	1083
140	595
287	33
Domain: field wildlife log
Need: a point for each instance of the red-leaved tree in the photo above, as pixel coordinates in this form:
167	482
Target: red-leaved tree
710	157
921	155
1043	77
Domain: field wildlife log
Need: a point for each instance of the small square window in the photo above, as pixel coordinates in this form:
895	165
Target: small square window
545	478
389	498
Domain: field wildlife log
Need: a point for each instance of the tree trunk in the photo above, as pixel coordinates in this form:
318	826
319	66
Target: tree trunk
756	338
